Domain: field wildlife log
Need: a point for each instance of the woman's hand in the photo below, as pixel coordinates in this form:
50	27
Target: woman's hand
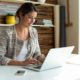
31	61
23	63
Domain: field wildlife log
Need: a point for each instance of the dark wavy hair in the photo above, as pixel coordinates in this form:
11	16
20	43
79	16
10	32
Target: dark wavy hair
25	9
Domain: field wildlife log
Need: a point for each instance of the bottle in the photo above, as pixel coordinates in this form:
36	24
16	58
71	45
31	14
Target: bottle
10	19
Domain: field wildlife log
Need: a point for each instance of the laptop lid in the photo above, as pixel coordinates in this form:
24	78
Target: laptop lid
56	57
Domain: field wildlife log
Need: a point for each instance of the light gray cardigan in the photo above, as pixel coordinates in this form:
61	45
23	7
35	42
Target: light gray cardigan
10	46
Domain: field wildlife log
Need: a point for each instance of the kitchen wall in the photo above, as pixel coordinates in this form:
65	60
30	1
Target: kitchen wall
72	31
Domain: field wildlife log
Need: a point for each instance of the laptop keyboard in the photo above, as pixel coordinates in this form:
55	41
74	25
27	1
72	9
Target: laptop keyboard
37	66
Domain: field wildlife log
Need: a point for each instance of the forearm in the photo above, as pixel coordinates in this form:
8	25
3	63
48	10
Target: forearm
16	63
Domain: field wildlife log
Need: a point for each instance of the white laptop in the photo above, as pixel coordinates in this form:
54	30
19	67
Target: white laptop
56	57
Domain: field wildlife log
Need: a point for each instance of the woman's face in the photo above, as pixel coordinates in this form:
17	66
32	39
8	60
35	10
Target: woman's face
28	19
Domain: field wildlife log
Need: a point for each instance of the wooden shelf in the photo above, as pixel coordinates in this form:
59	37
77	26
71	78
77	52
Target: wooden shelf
18	1
32	25
6	24
44	25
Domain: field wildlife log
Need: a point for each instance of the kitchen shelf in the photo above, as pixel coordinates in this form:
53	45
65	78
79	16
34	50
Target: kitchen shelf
32	25
6	24
44	25
36	3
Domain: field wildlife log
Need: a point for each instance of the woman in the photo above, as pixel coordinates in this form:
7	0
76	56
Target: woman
19	44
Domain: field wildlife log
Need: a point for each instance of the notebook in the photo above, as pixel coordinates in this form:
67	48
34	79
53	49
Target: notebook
56	57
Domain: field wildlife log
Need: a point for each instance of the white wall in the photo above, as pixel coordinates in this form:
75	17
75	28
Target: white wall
72	31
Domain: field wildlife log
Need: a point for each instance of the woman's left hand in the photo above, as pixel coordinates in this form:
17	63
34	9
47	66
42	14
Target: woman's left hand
31	61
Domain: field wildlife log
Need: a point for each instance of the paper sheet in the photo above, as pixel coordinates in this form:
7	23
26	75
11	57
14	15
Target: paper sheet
75	59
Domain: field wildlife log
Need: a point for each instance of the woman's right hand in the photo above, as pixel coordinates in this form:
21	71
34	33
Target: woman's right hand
23	63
